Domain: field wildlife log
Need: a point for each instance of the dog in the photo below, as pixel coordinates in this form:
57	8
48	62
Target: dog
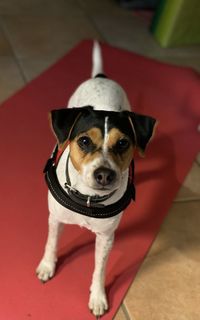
89	176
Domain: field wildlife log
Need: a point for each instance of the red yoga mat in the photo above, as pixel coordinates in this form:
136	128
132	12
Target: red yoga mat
170	94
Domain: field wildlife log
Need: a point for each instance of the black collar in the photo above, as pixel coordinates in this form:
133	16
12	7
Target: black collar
84	204
82	199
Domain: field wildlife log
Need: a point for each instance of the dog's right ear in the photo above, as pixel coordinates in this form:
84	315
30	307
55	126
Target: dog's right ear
143	128
63	120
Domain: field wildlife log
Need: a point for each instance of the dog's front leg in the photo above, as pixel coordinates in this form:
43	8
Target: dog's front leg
46	268
98	302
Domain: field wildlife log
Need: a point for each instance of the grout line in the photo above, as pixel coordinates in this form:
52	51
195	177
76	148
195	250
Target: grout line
17	61
195	199
126	313
197	162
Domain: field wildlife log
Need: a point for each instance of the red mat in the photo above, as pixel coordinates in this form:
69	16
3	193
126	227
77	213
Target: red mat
168	93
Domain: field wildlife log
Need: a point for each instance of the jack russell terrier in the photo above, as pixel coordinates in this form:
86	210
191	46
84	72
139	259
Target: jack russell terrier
90	173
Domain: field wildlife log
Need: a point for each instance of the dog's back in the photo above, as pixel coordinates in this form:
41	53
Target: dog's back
99	92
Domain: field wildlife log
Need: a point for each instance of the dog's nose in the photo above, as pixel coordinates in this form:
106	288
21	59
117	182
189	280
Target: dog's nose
104	176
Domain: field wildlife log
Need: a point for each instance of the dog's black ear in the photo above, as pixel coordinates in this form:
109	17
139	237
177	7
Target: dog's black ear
63	121
143	129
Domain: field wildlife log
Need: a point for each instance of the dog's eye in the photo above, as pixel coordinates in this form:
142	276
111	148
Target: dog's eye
122	145
85	143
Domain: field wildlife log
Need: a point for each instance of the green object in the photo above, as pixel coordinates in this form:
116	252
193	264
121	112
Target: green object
177	22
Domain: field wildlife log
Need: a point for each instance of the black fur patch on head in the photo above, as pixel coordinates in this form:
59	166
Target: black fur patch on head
96	119
69	123
63	120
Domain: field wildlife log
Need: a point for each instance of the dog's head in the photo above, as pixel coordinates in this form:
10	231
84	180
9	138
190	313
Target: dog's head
102	143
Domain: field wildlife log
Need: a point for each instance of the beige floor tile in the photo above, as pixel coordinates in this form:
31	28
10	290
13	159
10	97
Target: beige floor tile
167	286
131	32
104	6
5	49
181	230
132	36
198	159
121	315
34	67
39	7
10	78
33	37
190	189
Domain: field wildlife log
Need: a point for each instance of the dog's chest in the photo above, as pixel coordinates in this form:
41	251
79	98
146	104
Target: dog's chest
66	216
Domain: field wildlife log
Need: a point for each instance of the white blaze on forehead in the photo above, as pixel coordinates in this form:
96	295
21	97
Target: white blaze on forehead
105	142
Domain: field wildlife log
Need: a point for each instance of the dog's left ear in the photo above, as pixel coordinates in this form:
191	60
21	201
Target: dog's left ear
143	129
63	121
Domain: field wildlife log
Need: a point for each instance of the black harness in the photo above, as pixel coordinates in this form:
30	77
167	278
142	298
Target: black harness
90	206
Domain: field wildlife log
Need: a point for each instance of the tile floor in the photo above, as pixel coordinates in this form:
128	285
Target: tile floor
33	35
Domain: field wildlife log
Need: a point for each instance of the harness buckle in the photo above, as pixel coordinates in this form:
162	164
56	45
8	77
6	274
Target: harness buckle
88	202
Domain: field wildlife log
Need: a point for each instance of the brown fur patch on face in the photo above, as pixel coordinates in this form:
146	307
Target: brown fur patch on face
95	135
79	157
122	160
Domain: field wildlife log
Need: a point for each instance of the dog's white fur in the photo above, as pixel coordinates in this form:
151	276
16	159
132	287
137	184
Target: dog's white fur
102	94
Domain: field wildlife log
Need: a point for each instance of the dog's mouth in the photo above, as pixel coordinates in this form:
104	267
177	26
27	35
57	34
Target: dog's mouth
102	188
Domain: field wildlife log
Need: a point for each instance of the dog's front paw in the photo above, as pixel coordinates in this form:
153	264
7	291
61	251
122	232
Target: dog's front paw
98	303
45	270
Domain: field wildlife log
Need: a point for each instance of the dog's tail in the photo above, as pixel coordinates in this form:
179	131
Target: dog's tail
97	62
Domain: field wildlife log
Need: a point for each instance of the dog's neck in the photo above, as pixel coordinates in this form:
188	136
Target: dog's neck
77	183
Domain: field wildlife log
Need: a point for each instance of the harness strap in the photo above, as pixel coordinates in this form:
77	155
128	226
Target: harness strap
96	211
83	199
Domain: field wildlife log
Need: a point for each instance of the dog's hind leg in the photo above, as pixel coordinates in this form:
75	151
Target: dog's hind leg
98	302
46	268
